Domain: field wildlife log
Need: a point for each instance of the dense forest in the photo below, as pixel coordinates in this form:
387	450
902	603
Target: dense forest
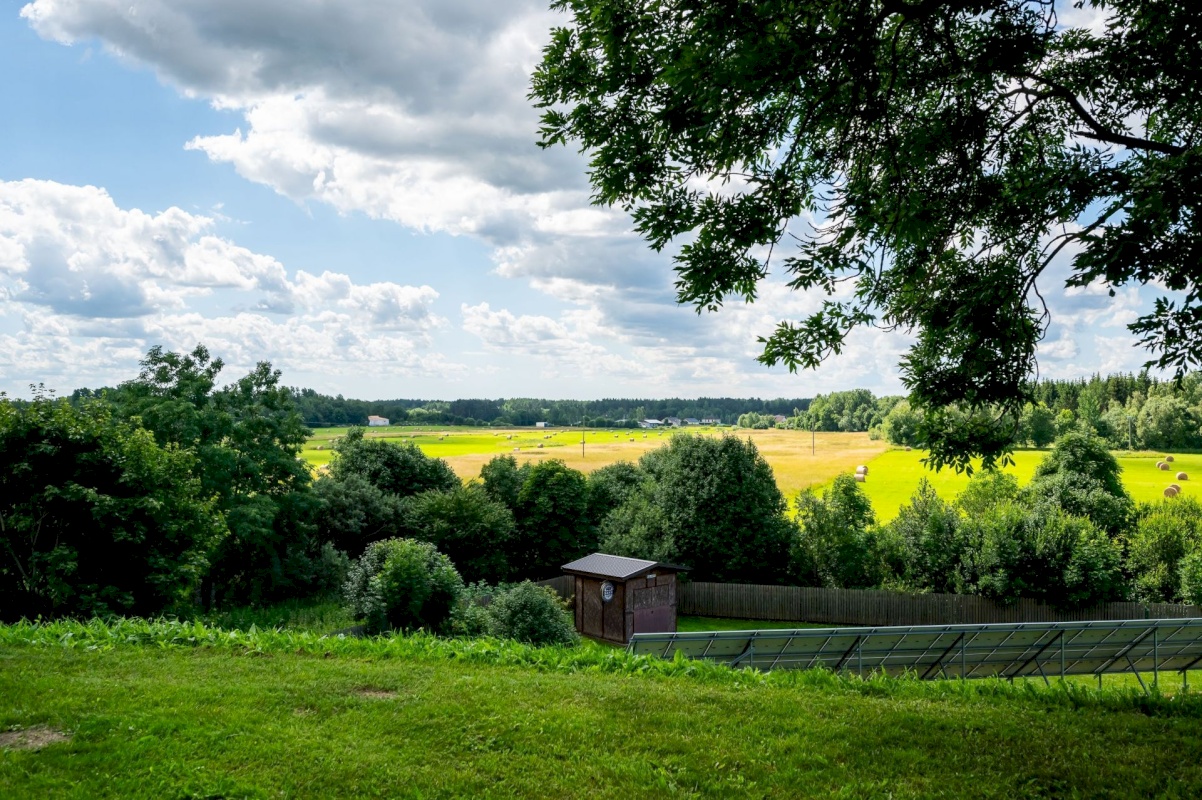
321	410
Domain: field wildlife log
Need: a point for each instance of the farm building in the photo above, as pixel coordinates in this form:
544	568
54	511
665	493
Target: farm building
692	421
617	597
711	421
540	424
673	422
651	423
377	422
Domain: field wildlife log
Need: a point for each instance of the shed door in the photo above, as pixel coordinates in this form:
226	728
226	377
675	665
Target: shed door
653	610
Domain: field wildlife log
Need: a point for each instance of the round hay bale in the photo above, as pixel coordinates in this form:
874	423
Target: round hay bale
540	444
1181	476
1169	491
517	449
908	449
1175	486
1162	465
861	470
1169	459
861	477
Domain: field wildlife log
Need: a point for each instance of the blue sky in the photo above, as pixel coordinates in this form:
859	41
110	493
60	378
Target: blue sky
352	192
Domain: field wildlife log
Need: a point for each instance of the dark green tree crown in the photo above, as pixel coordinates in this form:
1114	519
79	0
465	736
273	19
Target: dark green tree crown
923	162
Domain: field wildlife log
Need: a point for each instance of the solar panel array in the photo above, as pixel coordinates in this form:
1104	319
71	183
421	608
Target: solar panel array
1012	650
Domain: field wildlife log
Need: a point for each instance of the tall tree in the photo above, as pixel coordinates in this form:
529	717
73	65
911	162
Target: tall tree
937	155
247	438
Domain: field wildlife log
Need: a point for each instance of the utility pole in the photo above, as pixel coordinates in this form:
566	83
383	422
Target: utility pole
583	407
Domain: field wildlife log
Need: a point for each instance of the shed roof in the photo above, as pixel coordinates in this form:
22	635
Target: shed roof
603	565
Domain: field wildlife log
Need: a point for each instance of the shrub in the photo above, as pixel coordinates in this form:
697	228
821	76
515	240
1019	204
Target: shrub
1191	578
836	544
354	513
400	469
531	614
1083	496
1082	453
402	584
987	489
1164	533
472	529
639	529
503	478
610	486
96	518
552	520
925	534
720	500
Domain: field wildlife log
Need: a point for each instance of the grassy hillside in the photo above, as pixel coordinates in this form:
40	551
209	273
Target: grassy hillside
273	716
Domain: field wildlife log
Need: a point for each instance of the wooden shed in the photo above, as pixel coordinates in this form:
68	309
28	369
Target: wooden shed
617	597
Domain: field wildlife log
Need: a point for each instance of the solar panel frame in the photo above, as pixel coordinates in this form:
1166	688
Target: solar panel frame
1007	650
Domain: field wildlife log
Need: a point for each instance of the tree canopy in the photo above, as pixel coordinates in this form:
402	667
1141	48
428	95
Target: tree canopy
920	163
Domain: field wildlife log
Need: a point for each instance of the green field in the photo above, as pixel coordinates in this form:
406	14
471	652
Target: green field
895	474
281	718
798	461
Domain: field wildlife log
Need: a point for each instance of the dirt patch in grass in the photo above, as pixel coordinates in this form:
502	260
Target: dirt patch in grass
376	694
34	738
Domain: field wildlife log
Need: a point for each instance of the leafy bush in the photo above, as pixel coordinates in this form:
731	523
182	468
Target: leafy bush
552	520
96	518
402	584
836	541
639	529
503	478
1164	534
987	489
399	469
1081	453
925	541
1082	496
531	614
610	486
720	501
354	513
1191	578
471	528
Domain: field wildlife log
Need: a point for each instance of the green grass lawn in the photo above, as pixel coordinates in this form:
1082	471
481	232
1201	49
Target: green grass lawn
688	624
155	721
894	475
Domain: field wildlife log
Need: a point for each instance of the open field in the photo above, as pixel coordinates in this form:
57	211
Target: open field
468	449
895	474
797	463
284	721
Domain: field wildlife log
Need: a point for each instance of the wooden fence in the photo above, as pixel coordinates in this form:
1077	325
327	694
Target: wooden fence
874	607
564	585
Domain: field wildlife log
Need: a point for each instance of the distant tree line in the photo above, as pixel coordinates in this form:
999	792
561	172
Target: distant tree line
1135	412
320	410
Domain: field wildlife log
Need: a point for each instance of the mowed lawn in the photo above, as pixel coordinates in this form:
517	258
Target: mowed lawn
178	722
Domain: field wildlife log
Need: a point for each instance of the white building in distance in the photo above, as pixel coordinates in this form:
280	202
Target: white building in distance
377	422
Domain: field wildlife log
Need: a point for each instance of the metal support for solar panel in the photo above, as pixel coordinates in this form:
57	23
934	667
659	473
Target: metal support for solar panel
1139	678
847	654
776	660
1185	672
1121	654
748	651
1035	658
943	655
